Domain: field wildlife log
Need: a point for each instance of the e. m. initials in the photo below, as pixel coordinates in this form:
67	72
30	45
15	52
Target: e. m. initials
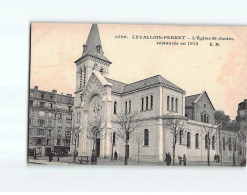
214	44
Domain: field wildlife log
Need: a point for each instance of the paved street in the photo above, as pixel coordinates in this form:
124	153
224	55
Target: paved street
69	161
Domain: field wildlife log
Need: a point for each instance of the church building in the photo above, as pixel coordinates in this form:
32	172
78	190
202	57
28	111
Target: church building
156	99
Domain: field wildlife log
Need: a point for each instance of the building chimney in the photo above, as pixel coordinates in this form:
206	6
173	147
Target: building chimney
54	91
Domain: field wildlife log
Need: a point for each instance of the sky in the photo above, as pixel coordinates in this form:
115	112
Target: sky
219	70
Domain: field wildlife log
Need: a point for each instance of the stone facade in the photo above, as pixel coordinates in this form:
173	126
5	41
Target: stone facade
155	98
50	120
231	146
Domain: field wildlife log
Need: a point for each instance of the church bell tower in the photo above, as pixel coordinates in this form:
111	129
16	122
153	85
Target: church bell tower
92	58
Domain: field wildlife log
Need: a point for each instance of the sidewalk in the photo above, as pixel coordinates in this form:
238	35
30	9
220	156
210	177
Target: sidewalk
119	162
46	162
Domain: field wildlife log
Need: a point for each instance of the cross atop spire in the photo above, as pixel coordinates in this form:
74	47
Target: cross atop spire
93	45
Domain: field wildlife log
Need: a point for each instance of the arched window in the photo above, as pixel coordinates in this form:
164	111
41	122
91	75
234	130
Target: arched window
188	140
224	144
147	103
151	99
126	107
172	104
146	137
115	107
180	136
207	119
206	141
85	73
201	118
98	48
168	102
142	103
229	143
213	142
197	140
114	139
176	105
204	115
129	106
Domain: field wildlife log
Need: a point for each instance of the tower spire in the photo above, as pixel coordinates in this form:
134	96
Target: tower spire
93	45
93	39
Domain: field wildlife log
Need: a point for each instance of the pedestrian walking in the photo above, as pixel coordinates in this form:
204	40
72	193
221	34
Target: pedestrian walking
218	158
169	159
115	155
50	157
93	158
184	160
166	161
215	158
180	160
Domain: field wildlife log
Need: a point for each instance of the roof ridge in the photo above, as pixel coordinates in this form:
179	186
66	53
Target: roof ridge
117	81
192	95
144	79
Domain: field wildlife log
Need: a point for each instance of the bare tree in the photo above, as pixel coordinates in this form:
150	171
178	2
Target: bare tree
75	141
129	123
112	144
207	135
177	129
95	130
139	140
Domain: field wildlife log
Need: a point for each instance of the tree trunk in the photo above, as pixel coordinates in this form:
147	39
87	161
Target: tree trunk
125	157
233	158
208	155
35	153
138	153
173	155
74	151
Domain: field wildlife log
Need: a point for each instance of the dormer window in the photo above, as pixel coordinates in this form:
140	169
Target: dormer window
98	48
84	48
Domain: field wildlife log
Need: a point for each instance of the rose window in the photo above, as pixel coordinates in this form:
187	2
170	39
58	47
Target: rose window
96	108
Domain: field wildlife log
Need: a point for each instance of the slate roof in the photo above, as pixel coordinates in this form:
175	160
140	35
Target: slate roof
120	87
117	86
191	99
195	98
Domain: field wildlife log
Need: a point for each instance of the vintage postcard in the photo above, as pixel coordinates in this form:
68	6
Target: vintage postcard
119	94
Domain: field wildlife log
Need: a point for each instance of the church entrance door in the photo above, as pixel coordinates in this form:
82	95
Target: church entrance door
98	147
